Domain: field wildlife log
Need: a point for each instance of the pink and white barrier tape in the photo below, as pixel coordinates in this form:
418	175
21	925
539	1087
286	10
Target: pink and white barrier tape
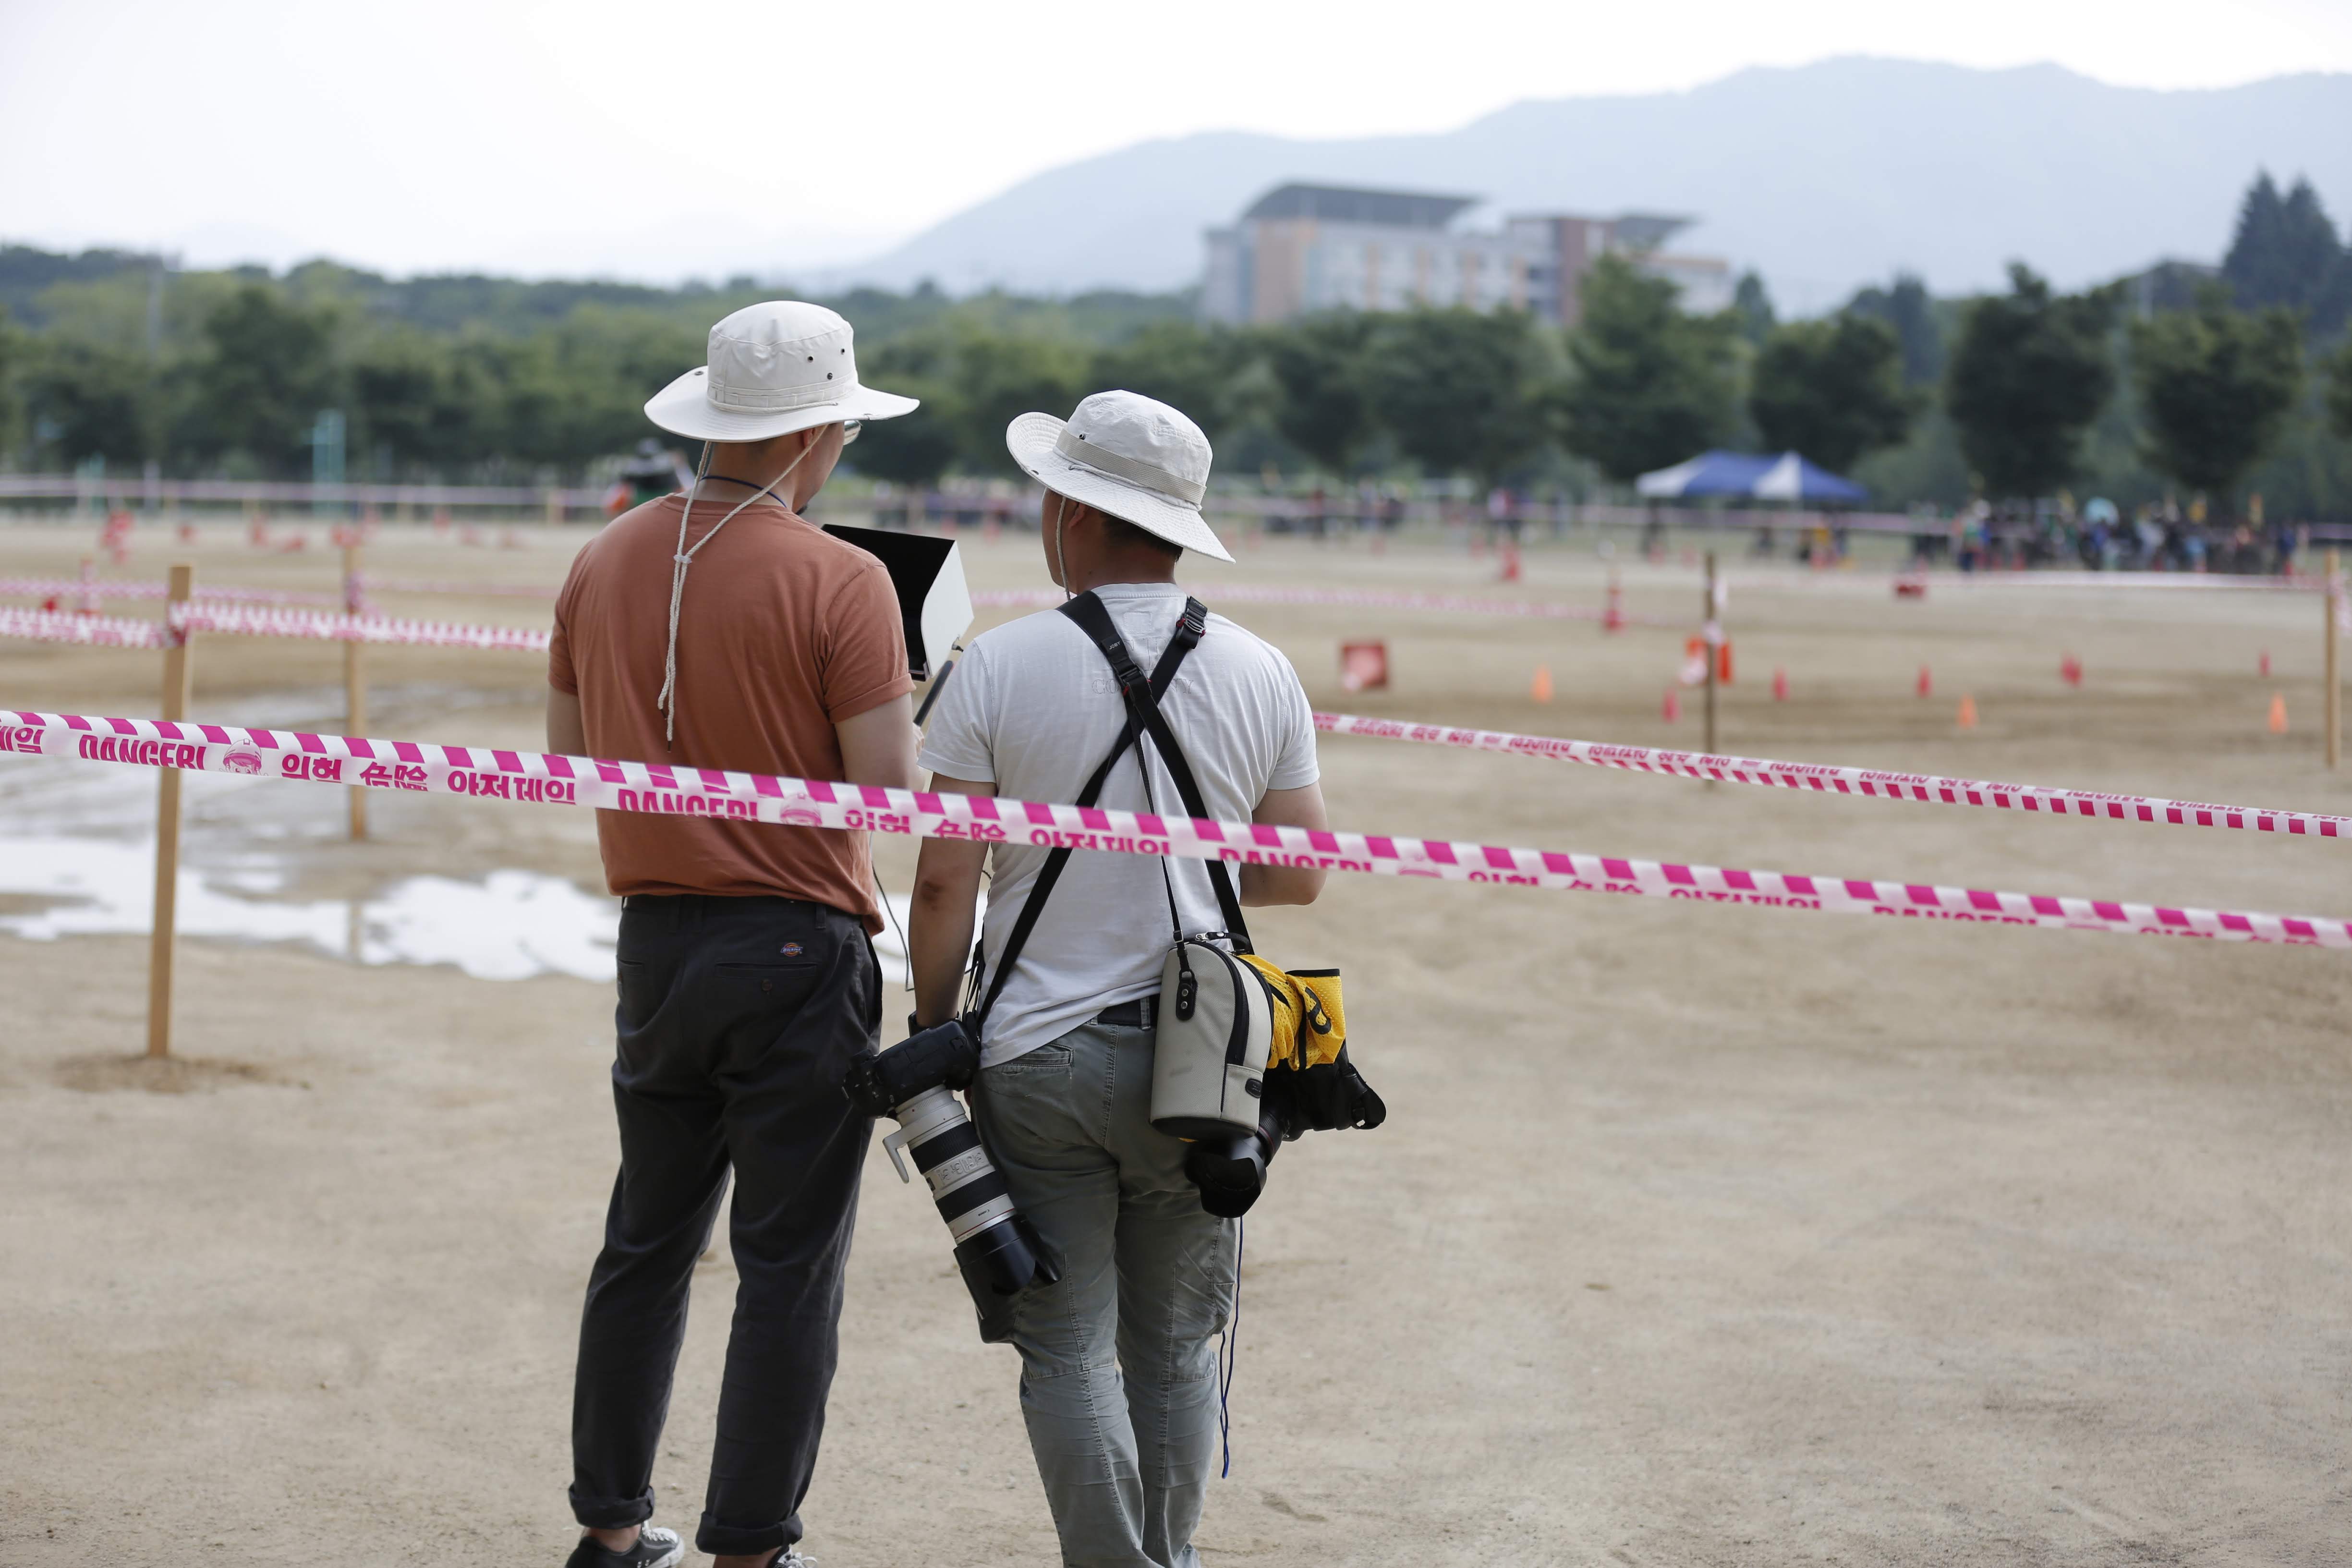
63	588
245	621
1829	779
533	778
1366	598
238	620
90	631
2300	582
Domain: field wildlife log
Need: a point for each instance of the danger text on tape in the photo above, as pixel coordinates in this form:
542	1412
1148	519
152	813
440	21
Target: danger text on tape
533	778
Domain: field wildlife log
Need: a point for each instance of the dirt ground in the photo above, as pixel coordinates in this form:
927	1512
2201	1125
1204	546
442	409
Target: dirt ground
1697	1236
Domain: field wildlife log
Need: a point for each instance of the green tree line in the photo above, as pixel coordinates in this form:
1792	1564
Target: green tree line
2209	382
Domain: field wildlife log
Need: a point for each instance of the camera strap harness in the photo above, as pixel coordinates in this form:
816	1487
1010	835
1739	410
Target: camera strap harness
1141	696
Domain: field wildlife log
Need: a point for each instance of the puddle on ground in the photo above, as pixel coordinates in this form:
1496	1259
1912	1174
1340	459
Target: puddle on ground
76	859
510	925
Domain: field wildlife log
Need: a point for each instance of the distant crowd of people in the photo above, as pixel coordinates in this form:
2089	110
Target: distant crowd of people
2158	537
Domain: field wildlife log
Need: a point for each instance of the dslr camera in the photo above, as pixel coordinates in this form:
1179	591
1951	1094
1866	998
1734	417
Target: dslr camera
914	1081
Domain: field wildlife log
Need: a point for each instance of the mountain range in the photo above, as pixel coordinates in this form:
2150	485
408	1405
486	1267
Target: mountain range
1820	177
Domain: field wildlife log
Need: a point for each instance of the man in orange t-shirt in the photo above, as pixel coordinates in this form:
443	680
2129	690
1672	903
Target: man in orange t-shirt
716	629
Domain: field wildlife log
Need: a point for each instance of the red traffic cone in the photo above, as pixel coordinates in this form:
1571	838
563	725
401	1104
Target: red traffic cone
1612	615
1510	564
2070	671
1673	710
2266	661
1926	682
1779	686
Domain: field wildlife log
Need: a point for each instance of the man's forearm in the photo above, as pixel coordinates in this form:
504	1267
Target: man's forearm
939	926
938	937
1264	886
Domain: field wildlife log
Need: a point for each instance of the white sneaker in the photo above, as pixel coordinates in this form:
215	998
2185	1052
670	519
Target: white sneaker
655	1548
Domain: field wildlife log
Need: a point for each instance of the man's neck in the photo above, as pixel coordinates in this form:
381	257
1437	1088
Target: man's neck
745	477
1119	573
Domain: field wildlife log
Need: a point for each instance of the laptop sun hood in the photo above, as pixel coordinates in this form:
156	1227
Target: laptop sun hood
934	604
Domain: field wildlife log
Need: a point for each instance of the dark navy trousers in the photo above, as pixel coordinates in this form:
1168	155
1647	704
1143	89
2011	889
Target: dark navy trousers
738	1017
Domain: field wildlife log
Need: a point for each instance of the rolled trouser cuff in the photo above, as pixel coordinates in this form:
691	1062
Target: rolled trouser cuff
717	1540
609	1512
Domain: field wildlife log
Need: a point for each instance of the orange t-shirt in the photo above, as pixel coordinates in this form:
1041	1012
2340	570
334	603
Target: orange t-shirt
784	631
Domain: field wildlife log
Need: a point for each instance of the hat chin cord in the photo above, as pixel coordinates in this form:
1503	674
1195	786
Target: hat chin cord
666	703
1061	559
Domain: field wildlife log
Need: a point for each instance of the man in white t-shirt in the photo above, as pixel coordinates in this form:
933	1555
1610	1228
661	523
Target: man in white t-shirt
1064	1092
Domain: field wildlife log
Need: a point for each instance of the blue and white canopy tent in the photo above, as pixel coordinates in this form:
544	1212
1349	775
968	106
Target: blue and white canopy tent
1745	476
1792	478
1709	474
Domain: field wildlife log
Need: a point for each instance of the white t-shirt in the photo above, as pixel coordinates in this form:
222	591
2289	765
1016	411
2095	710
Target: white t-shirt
1032	708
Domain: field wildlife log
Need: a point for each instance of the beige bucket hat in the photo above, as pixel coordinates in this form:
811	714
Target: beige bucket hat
775	367
1127	455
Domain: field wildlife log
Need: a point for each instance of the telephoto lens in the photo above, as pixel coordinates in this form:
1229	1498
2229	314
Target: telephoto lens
1230	1172
913	1082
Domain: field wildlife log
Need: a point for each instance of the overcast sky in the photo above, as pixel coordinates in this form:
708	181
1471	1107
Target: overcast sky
717	136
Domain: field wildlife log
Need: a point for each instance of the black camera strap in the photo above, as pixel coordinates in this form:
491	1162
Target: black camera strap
1144	716
1133	686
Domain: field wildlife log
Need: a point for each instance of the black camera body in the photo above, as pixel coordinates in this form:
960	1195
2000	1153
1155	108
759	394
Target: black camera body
943	1056
1231	1171
996	1248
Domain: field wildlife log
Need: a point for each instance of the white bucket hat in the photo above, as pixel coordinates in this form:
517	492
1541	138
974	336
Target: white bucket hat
1124	454
774	368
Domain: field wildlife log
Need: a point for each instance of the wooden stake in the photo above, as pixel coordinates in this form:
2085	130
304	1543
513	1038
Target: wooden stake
355	684
2334	706
162	944
1708	621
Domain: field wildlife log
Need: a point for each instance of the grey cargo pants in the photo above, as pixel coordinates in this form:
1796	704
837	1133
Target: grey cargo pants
1119	1363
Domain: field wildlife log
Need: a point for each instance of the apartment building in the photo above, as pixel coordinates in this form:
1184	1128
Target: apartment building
1300	249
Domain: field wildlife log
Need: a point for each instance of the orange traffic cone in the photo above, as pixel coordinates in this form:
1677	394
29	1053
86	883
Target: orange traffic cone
1926	682
2278	713
1540	688
1968	712
1779	686
1673	706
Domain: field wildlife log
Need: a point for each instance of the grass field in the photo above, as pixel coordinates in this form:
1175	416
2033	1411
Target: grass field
1697	1236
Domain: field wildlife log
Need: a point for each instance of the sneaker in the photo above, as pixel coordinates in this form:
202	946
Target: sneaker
655	1548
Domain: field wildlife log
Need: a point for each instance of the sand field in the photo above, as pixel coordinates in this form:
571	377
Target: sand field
1697	1236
